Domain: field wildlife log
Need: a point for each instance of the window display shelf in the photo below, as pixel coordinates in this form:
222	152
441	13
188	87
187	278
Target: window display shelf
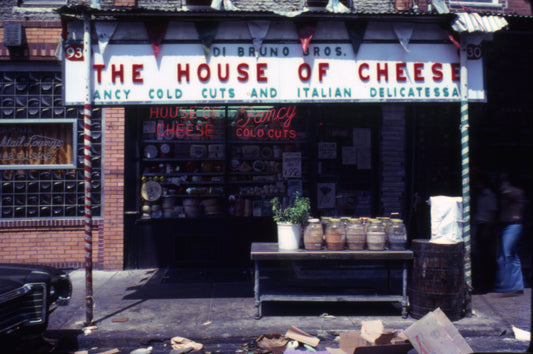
167	159
197	195
241	173
184	141
180	174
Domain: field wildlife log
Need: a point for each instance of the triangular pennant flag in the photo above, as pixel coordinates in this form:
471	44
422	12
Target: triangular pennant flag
337	7
156	32
104	31
64	28
207	32
454	40
228	6
404	31
356	32
216	4
258	31
305	30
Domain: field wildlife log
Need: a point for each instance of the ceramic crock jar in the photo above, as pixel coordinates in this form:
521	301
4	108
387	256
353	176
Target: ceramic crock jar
397	235
335	235
355	234
313	235
376	237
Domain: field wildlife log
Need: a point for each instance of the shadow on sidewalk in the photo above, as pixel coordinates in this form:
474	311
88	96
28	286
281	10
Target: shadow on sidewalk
237	283
186	283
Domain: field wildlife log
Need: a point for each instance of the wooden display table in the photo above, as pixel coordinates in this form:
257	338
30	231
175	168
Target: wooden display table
263	252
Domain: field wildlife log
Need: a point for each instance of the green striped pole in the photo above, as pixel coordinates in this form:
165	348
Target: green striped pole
465	173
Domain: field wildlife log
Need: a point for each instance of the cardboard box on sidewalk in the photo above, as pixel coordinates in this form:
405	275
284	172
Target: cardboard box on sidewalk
435	333
390	343
372	339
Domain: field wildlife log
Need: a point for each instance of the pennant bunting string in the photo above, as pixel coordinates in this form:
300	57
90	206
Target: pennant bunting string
104	32
305	30
156	32
258	32
356	32
207	32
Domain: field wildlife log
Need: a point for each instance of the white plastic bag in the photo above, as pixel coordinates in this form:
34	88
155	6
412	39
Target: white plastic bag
446	219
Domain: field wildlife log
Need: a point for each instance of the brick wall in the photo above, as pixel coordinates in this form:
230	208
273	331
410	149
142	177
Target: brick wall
113	234
125	3
60	242
40	39
52	242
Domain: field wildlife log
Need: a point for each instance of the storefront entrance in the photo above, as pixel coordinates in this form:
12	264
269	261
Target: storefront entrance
199	180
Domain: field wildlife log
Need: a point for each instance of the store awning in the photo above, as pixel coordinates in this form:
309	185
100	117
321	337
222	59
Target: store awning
474	22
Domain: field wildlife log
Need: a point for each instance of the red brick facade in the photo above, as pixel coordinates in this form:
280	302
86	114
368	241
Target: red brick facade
60	242
112	244
125	3
41	37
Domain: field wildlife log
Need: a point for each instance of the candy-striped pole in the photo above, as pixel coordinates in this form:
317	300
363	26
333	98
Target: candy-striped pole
87	167
465	173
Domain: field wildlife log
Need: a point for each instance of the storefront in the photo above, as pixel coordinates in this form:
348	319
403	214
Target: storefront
220	118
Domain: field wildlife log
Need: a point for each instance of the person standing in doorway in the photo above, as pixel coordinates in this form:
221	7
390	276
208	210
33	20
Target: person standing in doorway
509	278
484	242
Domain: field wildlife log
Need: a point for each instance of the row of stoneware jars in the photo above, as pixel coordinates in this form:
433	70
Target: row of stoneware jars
355	234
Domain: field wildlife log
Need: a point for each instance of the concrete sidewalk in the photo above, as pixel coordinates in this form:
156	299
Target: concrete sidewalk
145	304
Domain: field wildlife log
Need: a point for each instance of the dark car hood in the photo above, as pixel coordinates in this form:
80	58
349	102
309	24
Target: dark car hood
7	285
13	276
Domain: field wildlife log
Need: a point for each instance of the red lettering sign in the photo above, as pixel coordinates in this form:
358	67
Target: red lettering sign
184	112
274	123
418	69
180	131
400	72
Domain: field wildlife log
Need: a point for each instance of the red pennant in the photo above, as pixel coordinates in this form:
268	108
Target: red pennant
64	29
306	30
156	32
454	41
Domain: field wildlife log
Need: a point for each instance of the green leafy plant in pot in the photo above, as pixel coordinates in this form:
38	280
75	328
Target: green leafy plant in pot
289	220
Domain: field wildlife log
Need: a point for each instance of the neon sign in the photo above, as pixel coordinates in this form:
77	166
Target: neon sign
274	123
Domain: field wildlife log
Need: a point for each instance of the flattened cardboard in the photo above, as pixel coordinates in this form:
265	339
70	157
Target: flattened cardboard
371	330
352	343
435	333
301	336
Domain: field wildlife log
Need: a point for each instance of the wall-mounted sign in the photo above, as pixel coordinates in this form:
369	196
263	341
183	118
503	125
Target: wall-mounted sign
265	123
27	144
326	194
292	165
130	74
327	150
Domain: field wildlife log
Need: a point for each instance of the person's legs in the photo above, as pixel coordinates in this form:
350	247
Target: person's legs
509	276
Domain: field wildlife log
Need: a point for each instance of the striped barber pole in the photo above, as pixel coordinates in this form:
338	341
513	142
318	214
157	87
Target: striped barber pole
469	23
87	163
465	173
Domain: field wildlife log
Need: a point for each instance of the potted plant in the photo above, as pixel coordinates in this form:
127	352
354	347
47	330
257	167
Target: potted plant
289	220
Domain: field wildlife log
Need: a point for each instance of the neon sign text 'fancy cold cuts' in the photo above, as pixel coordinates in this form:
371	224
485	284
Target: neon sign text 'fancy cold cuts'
272	124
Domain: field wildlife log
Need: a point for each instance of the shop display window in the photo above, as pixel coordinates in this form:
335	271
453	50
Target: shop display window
212	161
45	190
232	160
